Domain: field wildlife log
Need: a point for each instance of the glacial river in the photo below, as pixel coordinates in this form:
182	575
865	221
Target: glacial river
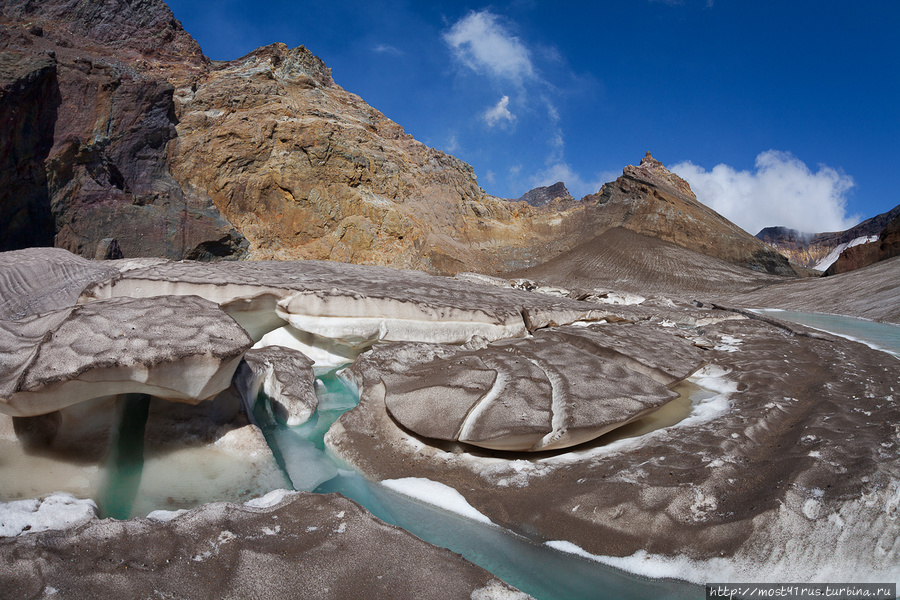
537	569
881	336
134	486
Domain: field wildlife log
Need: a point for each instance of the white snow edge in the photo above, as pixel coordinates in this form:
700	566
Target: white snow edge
59	510
436	494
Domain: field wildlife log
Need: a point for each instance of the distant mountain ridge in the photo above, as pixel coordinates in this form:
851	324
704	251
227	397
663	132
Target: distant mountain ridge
810	249
885	246
651	200
542	196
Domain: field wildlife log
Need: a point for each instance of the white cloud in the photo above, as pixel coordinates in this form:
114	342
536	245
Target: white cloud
387	49
483	44
556	148
781	191
499	112
452	145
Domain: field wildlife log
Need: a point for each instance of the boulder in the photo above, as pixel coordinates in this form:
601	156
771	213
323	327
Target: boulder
285	376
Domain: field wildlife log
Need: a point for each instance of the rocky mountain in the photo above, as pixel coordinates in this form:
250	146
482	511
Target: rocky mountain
885	246
651	200
621	259
305	169
89	113
542	196
118	128
820	250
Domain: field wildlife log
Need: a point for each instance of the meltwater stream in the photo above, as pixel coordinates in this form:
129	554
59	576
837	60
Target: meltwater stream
126	460
133	483
881	336
538	570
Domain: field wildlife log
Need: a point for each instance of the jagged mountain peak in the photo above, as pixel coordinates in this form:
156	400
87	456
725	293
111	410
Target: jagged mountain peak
653	171
295	65
651	200
543	195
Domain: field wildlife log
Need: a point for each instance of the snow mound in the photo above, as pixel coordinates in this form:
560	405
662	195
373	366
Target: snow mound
56	511
436	494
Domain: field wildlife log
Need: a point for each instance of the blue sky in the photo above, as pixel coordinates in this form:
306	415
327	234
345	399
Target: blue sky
777	112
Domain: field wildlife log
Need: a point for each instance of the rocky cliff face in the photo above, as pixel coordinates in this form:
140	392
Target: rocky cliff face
142	32
92	115
305	169
811	249
542	196
153	145
651	200
29	99
856	257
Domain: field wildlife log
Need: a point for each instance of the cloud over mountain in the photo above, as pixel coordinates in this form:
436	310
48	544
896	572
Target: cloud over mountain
781	191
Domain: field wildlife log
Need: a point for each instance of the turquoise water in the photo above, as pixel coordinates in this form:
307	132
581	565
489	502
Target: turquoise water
536	569
883	336
126	461
543	572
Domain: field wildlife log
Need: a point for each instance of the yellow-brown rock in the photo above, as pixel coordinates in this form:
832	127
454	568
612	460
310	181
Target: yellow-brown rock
653	201
305	169
170	154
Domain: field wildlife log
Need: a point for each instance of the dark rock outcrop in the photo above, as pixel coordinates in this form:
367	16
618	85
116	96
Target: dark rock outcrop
29	100
134	29
856	257
89	115
542	196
